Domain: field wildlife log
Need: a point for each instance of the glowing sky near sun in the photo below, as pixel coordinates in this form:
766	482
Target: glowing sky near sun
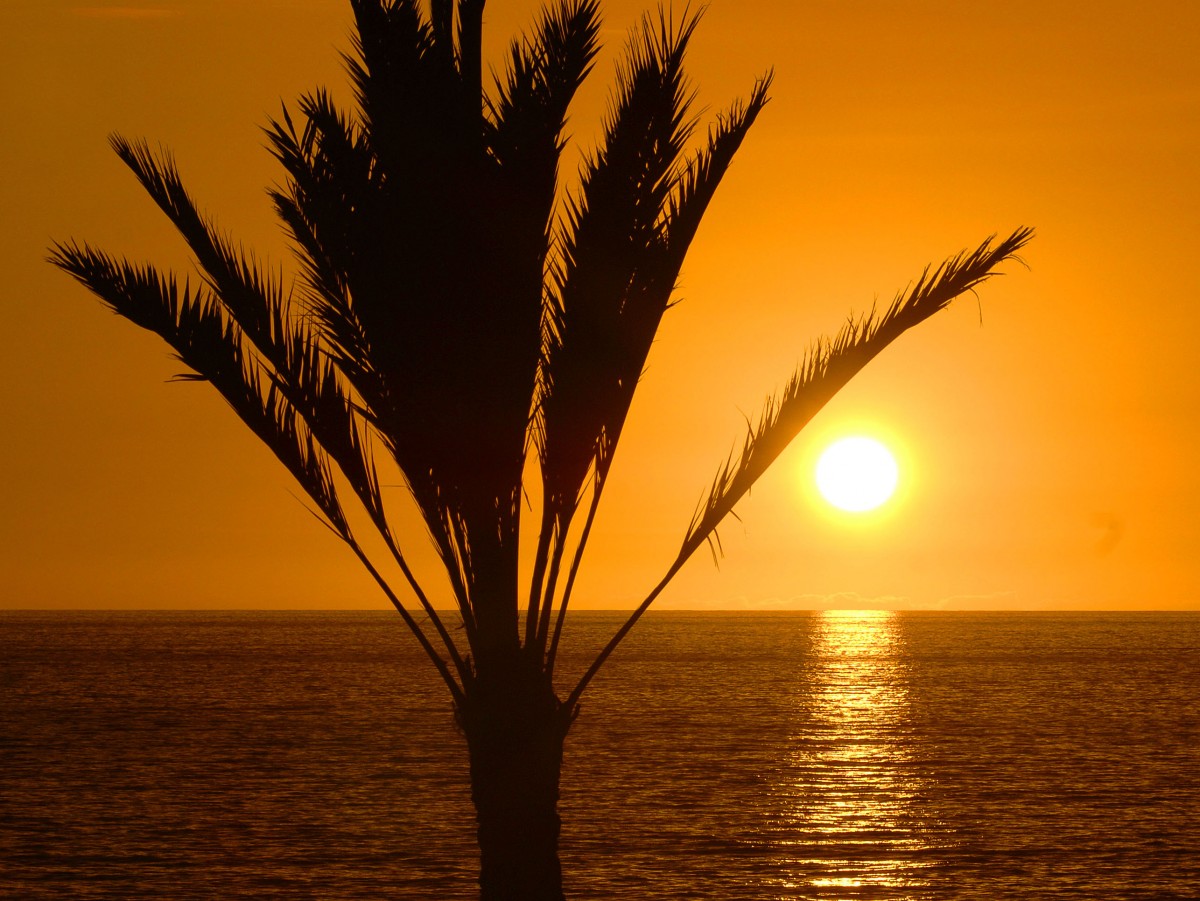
1047	431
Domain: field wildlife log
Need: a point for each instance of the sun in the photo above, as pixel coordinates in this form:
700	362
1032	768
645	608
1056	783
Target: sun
857	474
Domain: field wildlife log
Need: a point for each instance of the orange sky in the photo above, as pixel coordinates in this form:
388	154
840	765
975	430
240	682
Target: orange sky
1049	453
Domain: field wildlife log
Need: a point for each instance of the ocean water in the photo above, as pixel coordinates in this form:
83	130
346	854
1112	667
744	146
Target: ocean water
720	756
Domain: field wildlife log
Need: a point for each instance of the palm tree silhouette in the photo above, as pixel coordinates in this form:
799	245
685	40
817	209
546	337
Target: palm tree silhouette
457	314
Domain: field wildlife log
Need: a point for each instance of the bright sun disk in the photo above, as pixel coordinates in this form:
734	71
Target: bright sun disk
857	474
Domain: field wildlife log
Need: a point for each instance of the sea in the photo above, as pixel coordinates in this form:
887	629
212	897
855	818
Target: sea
819	755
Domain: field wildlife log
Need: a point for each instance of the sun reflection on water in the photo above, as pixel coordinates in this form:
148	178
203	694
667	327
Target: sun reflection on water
851	819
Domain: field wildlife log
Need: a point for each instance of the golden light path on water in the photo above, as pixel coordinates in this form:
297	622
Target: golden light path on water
854	794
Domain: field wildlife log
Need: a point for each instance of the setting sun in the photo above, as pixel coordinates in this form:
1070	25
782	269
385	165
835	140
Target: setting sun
857	474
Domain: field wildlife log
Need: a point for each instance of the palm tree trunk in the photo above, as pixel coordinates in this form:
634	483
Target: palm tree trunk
515	726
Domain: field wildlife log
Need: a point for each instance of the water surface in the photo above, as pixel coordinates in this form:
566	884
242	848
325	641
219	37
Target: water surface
719	756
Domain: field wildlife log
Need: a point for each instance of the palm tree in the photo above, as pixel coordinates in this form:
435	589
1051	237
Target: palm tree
458	315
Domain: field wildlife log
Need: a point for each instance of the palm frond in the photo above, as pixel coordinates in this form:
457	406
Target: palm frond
390	72
649	291
525	123
333	181
303	374
627	234
301	371
591	350
832	363
333	177
609	227
824	371
697	184
255	300
470	48
441	18
212	345
257	304
333	205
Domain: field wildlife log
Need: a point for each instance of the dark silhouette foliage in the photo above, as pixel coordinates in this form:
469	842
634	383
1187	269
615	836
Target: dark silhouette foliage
458	314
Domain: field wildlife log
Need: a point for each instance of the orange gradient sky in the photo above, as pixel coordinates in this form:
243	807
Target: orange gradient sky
1047	434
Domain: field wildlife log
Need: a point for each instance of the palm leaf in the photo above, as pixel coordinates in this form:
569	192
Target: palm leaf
257	304
392	75
591	345
525	122
332	206
470	49
609	226
697	184
831	364
213	346
619	267
332	180
825	370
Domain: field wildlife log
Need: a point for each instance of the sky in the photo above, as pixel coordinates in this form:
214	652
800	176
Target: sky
1047	429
